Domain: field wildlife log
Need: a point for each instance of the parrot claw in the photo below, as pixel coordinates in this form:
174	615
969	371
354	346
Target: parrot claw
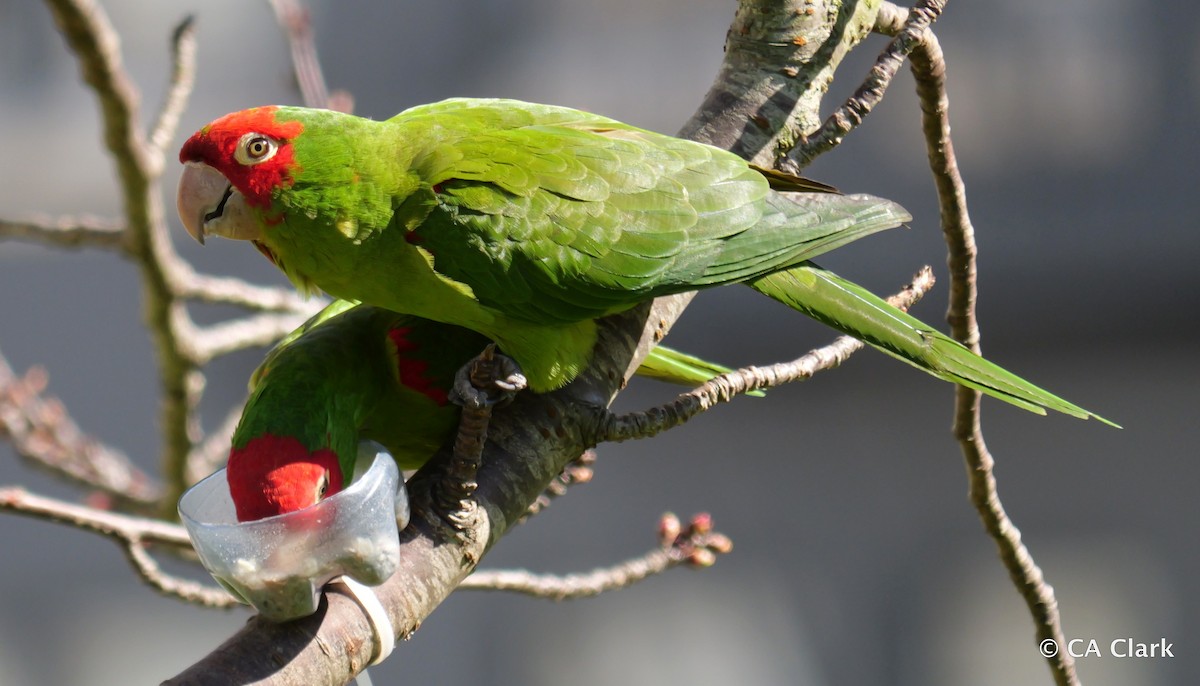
488	380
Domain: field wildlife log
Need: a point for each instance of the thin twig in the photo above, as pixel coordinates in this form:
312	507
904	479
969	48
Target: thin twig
183	77
579	471
209	456
201	345
189	284
929	69
647	423
43	433
133	534
851	113
96	45
95	42
297	24
66	232
697	546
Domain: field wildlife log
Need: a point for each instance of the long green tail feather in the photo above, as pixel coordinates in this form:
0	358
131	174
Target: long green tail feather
855	311
672	366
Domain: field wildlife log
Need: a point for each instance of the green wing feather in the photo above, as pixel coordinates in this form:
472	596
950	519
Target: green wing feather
855	311
672	366
554	215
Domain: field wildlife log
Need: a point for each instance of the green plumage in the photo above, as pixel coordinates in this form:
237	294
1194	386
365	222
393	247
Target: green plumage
848	307
527	222
355	372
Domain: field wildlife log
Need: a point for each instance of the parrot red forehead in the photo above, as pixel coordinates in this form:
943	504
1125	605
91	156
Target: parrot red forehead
273	475
215	143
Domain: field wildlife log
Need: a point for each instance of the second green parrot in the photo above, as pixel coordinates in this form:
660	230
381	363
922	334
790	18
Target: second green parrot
361	372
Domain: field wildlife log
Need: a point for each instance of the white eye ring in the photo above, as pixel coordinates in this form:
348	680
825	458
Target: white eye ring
255	148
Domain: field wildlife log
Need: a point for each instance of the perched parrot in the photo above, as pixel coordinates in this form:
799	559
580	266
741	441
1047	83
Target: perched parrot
355	372
527	222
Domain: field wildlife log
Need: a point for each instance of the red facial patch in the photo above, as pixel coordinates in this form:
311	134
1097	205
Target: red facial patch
214	145
273	475
412	370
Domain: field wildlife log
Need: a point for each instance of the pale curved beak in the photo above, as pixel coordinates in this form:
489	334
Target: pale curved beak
209	205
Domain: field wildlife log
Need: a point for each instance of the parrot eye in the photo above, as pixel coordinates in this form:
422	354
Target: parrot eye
323	485
254	148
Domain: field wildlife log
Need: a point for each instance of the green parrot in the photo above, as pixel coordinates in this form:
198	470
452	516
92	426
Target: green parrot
355	372
528	222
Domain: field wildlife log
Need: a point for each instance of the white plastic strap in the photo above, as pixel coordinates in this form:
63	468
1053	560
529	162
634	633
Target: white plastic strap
385	635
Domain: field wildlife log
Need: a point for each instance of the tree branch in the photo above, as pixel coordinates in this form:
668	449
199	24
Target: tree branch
43	433
929	69
95	43
780	58
187	283
67	232
210	455
297	24
697	546
725	387
183	77
851	113
200	345
133	534
577	471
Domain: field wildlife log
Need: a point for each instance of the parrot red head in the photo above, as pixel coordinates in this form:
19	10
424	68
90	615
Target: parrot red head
234	165
273	475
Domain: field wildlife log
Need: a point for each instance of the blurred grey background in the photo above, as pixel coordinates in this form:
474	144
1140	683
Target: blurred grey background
858	559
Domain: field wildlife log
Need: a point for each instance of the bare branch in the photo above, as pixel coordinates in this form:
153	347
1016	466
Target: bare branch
780	57
66	232
187	283
724	388
133	534
95	43
200	345
210	455
43	433
183	76
929	69
578	471
844	119
697	546
297	25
